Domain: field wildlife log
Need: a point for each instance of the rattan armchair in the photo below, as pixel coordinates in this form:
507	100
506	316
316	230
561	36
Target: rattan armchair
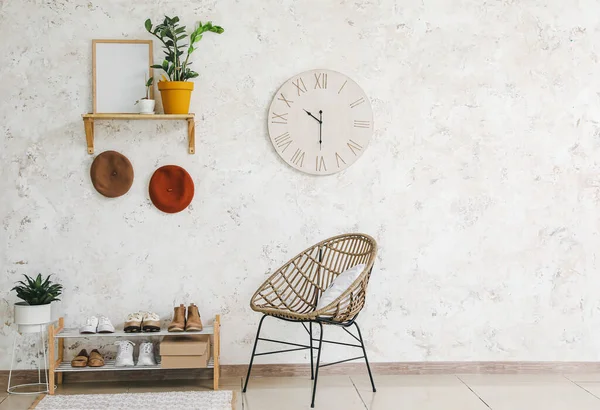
293	291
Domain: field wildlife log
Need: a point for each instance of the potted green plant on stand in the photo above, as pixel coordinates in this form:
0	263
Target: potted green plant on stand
176	89
145	103
38	295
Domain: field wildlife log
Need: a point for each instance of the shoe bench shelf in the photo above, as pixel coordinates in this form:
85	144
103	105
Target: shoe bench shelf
58	366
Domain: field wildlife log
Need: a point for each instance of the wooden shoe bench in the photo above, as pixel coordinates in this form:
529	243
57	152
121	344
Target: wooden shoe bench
58	366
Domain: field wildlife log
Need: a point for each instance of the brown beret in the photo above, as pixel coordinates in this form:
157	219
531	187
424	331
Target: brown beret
171	189
112	174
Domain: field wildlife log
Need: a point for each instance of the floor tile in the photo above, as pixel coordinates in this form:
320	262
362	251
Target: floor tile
584	377
513	378
169	385
17	402
591	387
526	392
426	392
230	383
92	388
294	393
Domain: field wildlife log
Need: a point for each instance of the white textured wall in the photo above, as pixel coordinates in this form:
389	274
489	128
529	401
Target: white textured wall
481	184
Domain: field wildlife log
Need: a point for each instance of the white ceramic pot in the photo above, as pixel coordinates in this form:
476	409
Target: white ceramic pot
56	308
32	319
146	106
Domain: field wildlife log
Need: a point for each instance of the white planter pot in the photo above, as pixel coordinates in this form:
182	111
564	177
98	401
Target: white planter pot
56	308
146	106
32	319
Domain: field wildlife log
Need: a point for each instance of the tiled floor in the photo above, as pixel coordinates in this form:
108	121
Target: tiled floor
428	392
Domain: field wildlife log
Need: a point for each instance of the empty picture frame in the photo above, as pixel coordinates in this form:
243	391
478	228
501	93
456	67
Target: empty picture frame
120	70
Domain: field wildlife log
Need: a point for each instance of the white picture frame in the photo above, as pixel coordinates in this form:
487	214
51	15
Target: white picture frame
119	71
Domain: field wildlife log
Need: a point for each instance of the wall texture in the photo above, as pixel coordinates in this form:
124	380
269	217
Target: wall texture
481	183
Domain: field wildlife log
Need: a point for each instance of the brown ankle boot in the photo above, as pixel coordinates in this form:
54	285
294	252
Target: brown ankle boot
194	323
178	323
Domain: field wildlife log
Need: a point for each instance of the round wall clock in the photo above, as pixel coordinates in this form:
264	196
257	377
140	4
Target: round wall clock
320	122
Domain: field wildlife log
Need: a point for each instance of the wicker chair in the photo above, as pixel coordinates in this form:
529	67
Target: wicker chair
293	291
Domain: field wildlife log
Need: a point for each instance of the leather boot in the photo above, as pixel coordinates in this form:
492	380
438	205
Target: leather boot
194	323
178	323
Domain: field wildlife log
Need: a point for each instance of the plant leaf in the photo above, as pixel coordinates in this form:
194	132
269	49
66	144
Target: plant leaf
38	291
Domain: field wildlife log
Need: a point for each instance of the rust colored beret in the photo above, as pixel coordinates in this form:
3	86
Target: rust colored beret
112	174
171	189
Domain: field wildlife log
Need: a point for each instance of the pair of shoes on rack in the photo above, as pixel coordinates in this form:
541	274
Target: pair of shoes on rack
180	323
95	324
125	354
142	321
94	359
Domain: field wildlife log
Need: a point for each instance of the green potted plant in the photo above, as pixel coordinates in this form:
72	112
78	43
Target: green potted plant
145	103
38	296
175	87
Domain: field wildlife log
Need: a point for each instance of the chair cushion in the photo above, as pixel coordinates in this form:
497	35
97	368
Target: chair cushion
340	285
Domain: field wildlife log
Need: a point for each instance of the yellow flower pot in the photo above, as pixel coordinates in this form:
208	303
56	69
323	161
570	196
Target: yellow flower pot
176	96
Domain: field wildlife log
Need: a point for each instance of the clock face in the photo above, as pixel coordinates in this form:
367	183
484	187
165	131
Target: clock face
320	122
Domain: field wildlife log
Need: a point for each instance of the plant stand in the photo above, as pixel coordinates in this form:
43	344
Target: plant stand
12	389
58	366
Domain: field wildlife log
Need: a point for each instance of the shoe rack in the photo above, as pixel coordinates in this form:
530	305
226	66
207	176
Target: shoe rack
58	366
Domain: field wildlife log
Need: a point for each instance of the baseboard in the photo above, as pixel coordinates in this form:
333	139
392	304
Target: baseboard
400	368
288	370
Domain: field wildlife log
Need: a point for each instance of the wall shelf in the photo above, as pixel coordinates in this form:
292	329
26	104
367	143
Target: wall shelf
88	122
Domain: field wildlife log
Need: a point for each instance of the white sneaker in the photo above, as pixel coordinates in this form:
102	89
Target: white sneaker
133	323
150	322
91	324
146	355
104	325
125	353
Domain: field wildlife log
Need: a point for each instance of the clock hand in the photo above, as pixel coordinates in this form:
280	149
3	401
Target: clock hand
320	128
312	115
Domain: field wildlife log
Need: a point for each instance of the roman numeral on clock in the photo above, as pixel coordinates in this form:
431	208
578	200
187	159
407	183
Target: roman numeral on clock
299	84
298	158
279	118
321	80
354	146
357	102
362	124
320	164
285	100
338	158
284	140
342	87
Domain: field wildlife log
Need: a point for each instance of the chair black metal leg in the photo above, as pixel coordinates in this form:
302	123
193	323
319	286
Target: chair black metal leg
312	372
365	354
312	404
253	352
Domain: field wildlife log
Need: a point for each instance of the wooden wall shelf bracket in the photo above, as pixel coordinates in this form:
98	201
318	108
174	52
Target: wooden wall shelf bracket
88	122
